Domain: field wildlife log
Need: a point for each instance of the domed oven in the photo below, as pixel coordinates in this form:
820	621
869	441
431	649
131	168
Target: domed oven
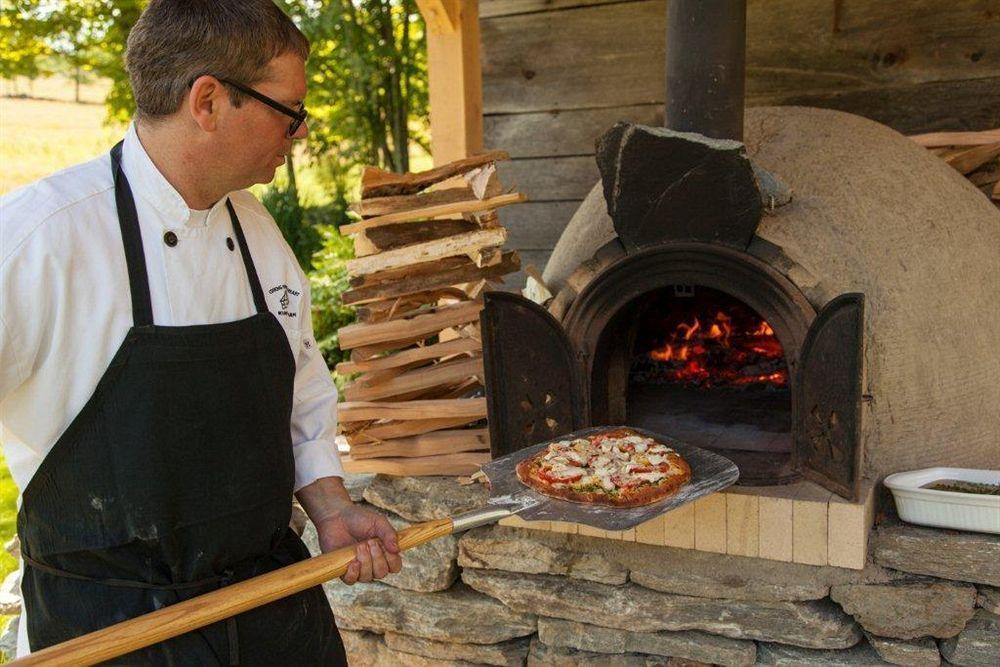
815	300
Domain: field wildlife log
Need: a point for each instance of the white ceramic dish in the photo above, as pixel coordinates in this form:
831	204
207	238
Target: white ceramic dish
946	509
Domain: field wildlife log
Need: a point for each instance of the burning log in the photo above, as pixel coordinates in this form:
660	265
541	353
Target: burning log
689	345
421	261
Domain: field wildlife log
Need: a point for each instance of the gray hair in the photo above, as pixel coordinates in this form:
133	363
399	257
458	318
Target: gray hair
176	41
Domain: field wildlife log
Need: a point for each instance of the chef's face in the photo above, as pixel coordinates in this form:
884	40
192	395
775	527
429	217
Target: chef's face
258	140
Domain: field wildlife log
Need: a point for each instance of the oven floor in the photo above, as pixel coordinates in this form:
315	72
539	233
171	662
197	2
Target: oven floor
750	428
756	421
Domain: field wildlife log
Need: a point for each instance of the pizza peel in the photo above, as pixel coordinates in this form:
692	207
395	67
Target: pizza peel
710	472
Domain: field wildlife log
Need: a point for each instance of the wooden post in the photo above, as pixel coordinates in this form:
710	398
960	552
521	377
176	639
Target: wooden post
456	82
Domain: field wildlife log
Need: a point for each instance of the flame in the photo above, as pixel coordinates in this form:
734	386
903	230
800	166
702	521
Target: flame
763	330
715	354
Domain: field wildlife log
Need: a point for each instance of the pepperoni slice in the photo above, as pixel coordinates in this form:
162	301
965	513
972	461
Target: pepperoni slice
549	477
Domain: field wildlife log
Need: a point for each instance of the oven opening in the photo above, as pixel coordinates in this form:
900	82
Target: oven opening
707	369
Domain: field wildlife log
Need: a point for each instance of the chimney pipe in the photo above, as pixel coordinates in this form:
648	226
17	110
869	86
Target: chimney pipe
706	59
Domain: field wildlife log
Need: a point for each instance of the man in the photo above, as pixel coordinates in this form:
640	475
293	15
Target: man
161	394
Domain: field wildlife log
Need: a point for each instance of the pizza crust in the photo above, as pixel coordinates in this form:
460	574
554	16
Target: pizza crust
678	475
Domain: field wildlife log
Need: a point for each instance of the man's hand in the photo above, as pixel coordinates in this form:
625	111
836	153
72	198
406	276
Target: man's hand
339	522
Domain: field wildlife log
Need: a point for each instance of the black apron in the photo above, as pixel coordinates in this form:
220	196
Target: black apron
175	479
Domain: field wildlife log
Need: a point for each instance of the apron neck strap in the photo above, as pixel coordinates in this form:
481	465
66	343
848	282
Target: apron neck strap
135	258
258	292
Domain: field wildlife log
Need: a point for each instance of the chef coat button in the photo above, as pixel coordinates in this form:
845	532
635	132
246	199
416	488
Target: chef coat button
230	244
170	239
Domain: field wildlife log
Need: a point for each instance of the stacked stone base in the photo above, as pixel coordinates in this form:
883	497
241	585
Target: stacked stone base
510	596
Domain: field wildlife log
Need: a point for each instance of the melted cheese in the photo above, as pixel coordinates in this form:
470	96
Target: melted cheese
600	465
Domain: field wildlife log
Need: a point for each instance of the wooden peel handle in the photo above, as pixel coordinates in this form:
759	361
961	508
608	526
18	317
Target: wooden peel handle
213	607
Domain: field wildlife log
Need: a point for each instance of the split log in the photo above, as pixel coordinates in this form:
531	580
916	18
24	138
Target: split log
357	335
942	139
451	271
376	377
427	377
469	206
436	351
971	159
379	183
429	444
402	234
464	463
404	428
368	208
366	352
433	409
429	251
390	309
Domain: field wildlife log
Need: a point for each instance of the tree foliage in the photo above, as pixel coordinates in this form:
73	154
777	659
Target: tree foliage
80	37
367	79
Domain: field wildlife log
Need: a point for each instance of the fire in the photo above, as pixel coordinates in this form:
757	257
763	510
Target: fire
716	353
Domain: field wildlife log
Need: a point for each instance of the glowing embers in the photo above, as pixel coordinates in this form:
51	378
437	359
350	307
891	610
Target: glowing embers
706	339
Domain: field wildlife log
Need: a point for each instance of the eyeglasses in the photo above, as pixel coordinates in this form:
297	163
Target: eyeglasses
298	116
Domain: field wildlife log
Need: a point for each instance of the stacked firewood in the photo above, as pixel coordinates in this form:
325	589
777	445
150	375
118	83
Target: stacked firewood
427	245
976	155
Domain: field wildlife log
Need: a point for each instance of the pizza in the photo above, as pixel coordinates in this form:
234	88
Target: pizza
620	468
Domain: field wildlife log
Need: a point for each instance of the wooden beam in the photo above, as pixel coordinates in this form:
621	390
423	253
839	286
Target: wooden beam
455	86
428	251
441	16
428	444
469	206
431	409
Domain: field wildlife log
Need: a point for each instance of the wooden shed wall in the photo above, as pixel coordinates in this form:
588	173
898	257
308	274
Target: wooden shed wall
557	73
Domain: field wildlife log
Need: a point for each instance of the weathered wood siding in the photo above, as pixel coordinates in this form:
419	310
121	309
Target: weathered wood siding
557	73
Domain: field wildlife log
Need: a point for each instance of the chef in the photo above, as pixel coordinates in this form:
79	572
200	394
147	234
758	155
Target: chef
161	393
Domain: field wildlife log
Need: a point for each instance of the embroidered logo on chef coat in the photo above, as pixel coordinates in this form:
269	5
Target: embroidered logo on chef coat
285	300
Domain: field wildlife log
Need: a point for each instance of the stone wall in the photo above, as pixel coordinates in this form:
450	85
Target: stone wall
510	596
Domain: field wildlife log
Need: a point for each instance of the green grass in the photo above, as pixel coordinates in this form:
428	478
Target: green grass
8	517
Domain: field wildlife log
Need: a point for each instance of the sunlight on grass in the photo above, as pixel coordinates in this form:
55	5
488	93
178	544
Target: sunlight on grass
8	517
38	137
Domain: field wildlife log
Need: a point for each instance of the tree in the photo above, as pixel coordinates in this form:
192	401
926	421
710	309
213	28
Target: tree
84	35
367	80
21	48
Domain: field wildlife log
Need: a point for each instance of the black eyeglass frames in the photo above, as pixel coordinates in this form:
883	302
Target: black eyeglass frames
298	116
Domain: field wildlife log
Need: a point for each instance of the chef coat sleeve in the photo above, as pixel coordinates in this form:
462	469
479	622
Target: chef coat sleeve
13	368
314	408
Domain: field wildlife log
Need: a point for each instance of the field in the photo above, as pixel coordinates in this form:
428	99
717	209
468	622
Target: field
40	136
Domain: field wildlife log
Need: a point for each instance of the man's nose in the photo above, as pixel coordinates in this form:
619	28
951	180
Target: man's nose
302	131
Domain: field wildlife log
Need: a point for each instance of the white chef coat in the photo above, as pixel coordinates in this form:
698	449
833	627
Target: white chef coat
65	304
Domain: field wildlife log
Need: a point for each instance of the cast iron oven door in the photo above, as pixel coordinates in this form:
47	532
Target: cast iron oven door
534	386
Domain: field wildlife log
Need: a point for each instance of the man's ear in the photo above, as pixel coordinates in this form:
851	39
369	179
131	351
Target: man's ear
205	102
